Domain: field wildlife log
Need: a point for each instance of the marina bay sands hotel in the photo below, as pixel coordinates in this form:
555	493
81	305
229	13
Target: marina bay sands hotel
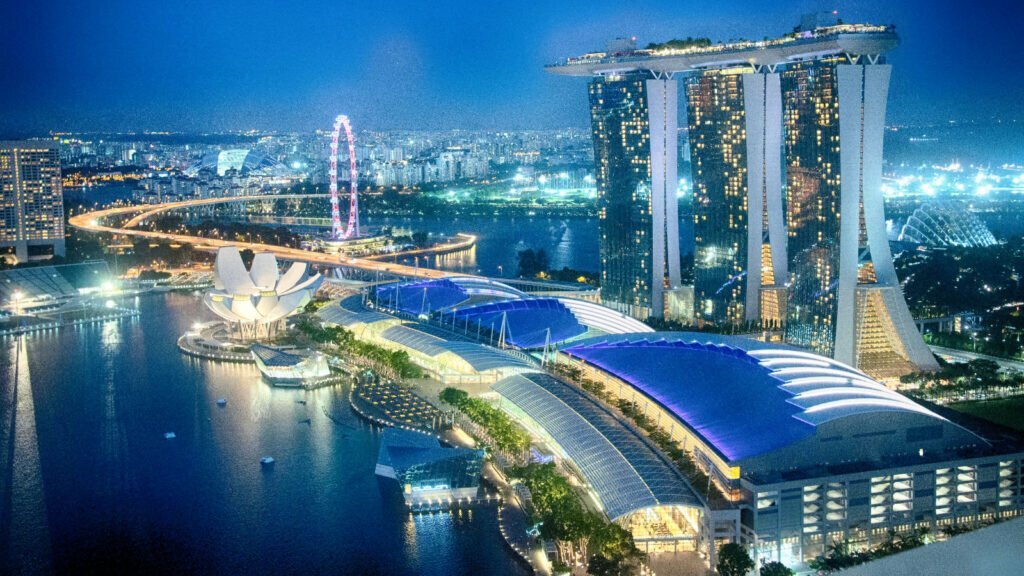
785	140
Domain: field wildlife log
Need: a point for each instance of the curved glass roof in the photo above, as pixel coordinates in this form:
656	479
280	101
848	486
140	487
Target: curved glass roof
744	397
944	224
598	317
414	339
421	297
350	311
241	160
483	358
527	320
486	287
625	472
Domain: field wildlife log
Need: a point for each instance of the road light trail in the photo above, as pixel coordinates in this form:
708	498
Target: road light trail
93	222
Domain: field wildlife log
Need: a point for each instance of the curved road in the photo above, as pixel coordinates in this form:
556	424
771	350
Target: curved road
94	222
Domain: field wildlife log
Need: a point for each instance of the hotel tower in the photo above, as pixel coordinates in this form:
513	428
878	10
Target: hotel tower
786	139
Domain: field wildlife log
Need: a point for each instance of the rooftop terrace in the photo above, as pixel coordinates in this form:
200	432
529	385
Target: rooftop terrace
854	39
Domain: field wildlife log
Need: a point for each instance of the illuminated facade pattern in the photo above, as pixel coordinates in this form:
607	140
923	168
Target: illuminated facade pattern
633	127
811	117
31	198
718	149
879	349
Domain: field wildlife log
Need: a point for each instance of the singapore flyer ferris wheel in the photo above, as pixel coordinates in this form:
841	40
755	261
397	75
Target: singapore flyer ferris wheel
352	230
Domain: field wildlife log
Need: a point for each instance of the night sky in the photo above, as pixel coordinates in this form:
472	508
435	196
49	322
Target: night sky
185	65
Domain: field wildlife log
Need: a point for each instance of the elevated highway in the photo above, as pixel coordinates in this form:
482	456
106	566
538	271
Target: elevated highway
99	221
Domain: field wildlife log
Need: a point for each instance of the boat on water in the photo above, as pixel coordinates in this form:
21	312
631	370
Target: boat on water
170	435
222	401
267	461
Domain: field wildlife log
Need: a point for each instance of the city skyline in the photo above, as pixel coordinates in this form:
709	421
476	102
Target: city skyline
177	68
569	288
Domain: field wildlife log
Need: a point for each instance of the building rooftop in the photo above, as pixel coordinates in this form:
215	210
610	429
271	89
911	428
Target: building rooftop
855	39
403	449
745	398
59	281
421	297
624	470
273	356
349	312
529	322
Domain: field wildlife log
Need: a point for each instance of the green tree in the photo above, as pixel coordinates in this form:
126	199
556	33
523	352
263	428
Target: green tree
776	569
733	560
532	263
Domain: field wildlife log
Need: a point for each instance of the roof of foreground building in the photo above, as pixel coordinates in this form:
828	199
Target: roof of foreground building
350	311
58	281
529	322
404	449
477	356
744	397
481	305
421	297
624	470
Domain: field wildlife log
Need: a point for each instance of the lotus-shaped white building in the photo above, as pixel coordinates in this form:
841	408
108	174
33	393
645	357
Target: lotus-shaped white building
256	300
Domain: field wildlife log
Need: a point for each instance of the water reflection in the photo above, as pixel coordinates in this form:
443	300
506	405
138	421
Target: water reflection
90	480
25	525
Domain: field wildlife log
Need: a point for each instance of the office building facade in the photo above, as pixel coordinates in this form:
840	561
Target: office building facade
31	193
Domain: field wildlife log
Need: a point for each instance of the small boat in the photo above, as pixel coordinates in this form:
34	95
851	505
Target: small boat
267	461
303	402
170	435
222	401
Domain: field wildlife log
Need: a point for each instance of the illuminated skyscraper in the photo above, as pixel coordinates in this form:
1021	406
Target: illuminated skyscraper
31	200
814	266
633	118
845	299
737	196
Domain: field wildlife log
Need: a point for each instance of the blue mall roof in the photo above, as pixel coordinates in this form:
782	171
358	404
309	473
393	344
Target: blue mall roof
350	311
527	320
744	397
421	297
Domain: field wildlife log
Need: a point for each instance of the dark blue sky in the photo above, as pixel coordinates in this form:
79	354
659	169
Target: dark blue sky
424	64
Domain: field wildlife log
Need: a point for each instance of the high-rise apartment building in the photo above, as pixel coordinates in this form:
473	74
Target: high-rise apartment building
806	109
633	119
31	200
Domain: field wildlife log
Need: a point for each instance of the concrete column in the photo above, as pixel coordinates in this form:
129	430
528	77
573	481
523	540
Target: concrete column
662	98
851	116
762	103
863	91
753	108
